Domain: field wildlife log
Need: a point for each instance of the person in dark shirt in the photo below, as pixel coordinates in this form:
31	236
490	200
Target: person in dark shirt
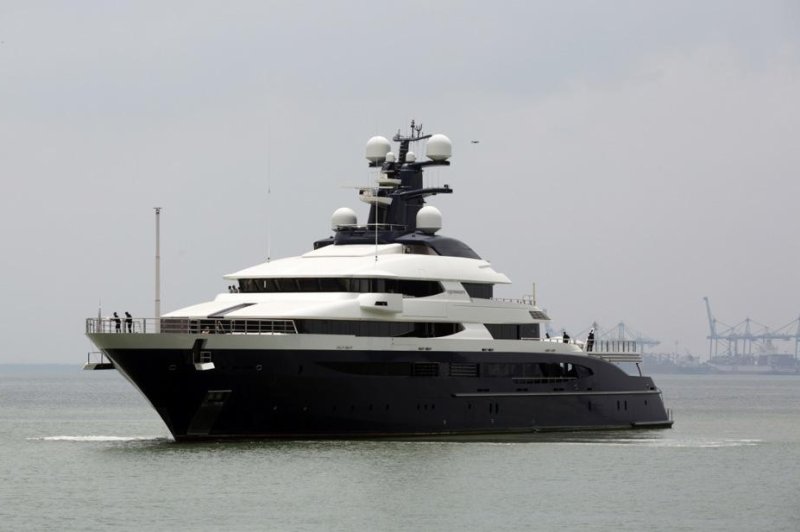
117	323
128	322
565	336
590	341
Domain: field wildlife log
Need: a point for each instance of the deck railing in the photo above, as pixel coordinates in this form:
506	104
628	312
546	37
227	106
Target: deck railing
599	346
615	346
523	300
189	326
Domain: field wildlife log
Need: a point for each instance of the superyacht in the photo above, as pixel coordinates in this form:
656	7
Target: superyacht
385	329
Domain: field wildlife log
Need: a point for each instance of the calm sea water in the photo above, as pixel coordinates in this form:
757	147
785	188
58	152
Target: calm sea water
84	451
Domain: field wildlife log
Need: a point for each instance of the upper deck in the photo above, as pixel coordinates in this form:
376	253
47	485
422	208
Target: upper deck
396	260
610	350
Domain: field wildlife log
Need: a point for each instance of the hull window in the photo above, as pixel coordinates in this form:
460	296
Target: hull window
463	369
533	371
385	369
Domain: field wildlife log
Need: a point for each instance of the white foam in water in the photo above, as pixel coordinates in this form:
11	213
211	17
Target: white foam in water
96	438
711	443
658	442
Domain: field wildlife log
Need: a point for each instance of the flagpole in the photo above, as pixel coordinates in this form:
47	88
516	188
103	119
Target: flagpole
158	269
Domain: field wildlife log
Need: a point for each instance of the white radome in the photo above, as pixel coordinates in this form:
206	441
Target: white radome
429	219
439	148
343	216
377	148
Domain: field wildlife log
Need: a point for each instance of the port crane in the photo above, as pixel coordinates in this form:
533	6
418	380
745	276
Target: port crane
748	337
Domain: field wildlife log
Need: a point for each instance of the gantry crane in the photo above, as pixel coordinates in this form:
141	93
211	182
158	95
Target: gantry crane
748	337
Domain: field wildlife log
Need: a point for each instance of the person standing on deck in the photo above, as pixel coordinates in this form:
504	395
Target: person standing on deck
590	340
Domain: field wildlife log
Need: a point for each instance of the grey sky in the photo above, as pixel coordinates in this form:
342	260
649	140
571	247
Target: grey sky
634	156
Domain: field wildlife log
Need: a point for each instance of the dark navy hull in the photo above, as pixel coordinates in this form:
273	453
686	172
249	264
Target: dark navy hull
336	394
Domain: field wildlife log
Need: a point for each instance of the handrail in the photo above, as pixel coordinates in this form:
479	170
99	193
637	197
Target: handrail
189	326
371	227
524	300
98	355
599	346
615	346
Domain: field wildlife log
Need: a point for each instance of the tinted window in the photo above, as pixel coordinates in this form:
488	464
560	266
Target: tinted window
512	331
378	328
409	288
479	290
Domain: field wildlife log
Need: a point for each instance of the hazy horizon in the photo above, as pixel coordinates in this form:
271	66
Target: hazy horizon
634	157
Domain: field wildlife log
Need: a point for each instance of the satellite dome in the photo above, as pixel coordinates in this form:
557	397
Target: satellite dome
342	217
411	157
377	148
439	148
391	157
429	219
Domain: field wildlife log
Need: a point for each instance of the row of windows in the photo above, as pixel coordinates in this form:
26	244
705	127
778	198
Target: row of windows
519	370
378	328
513	331
499	331
218	325
524	370
383	286
322	284
390	369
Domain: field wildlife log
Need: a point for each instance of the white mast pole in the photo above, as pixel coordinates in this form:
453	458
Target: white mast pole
158	269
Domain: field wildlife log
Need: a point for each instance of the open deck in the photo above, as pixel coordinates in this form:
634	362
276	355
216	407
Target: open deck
611	350
188	326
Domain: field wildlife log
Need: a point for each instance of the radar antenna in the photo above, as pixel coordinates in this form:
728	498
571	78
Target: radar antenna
416	135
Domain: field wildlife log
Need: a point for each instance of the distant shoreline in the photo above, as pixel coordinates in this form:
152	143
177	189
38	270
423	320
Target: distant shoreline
19	367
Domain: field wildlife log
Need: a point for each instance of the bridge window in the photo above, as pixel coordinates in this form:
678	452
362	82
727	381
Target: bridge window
407	287
479	290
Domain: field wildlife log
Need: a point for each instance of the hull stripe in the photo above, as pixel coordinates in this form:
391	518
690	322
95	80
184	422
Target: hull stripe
549	394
